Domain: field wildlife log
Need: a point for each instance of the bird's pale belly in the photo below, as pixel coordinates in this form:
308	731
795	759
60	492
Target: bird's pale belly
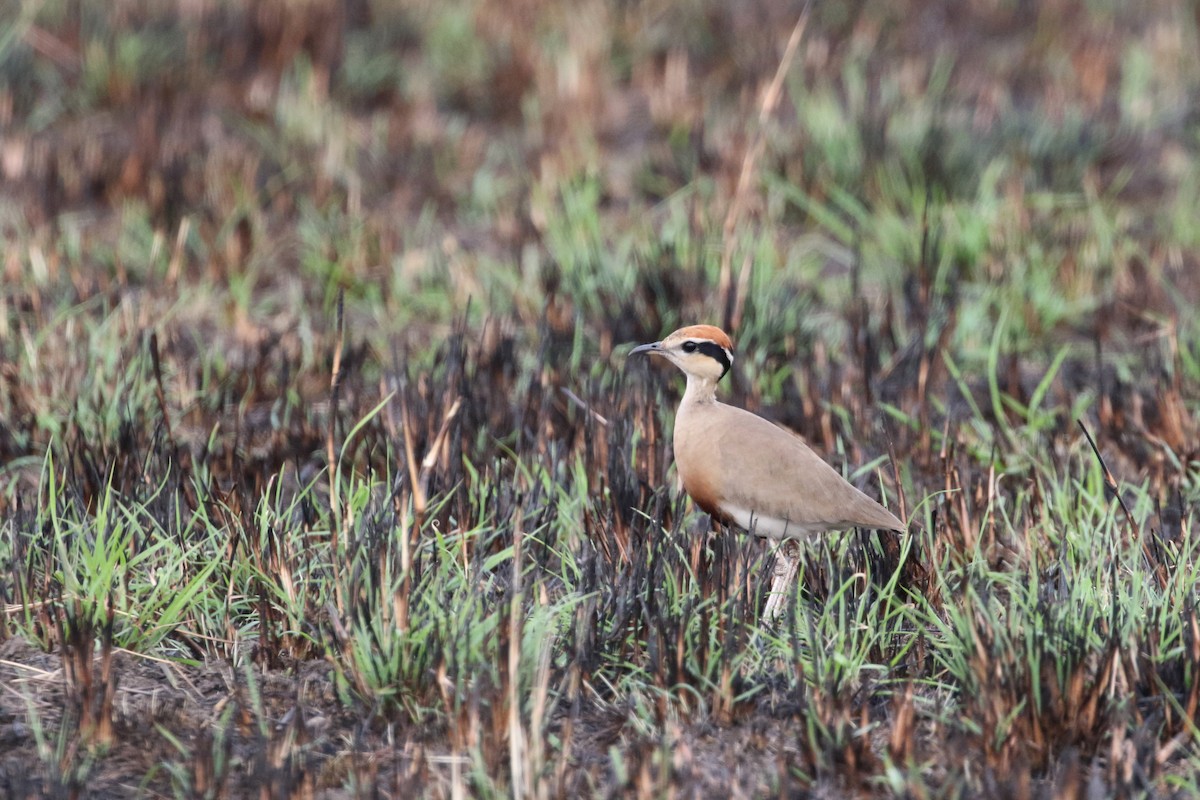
765	526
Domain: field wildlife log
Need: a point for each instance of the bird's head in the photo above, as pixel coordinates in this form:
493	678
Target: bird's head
701	351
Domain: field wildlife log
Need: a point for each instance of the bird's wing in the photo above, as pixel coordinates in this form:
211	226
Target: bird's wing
772	468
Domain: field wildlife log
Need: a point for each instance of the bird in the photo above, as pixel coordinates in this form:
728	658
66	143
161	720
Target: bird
747	472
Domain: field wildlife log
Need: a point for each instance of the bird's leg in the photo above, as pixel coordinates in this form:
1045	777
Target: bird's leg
787	561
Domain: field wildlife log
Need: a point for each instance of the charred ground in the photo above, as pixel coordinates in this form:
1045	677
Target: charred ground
246	242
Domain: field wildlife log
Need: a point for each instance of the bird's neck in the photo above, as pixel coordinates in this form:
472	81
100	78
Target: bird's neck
700	390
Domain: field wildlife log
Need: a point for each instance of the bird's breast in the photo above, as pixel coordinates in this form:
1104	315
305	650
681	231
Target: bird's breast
698	465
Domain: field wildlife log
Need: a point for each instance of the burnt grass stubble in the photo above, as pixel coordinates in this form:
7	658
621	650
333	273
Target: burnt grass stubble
290	733
267	718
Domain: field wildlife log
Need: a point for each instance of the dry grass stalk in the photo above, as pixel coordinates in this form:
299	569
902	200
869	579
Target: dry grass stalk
732	305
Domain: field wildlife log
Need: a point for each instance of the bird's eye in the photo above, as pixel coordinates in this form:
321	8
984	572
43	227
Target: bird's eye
689	347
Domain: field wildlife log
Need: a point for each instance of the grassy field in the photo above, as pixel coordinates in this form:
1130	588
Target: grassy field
323	474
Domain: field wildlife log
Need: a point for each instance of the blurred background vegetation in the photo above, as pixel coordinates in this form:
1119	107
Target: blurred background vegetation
961	226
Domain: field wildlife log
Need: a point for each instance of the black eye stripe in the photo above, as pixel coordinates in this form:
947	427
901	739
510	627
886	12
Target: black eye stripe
713	351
